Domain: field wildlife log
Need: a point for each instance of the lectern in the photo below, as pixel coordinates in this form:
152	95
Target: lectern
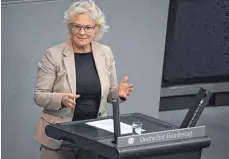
158	140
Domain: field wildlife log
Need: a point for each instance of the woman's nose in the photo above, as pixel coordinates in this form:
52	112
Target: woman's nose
82	31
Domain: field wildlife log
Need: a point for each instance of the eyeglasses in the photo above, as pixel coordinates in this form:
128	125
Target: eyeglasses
87	28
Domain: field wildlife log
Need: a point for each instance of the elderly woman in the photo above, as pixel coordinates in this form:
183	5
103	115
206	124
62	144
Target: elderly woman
76	79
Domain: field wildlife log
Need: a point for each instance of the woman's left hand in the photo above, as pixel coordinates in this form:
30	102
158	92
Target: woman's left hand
124	88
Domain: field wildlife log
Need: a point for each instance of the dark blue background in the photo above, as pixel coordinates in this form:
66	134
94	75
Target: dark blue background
197	43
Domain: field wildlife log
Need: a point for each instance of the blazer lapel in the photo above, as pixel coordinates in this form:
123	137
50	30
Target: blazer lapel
98	55
69	62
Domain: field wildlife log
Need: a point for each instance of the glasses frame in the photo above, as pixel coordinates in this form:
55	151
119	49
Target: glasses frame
84	27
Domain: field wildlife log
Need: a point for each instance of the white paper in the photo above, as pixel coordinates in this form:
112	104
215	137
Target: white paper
107	124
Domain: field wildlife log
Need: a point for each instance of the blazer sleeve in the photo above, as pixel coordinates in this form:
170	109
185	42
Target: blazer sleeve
43	95
113	78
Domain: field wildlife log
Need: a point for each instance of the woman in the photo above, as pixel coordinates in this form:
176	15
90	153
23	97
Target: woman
76	79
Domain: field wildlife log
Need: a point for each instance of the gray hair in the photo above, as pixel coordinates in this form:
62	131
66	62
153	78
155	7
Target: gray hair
90	8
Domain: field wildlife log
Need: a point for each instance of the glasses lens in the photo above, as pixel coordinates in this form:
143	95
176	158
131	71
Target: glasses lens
88	29
77	28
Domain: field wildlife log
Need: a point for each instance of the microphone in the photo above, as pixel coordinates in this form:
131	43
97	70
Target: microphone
116	116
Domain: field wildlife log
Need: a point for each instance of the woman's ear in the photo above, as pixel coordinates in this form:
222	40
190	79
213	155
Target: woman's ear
96	29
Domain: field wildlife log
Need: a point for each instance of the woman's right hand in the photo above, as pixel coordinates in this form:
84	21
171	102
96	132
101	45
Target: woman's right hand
68	100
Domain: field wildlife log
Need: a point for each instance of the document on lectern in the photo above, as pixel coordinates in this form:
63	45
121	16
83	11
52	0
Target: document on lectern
108	125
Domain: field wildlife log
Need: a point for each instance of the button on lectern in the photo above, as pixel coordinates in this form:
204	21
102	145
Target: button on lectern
112	138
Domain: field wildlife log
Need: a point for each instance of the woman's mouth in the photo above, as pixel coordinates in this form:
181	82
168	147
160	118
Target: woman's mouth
81	38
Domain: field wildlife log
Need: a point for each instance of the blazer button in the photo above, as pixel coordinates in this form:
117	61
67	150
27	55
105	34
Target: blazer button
99	113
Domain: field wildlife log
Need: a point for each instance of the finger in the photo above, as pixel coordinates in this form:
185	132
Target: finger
70	105
73	96
125	95
131	86
131	89
125	79
69	100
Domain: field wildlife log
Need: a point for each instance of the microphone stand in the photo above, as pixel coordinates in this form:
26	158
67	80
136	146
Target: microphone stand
116	118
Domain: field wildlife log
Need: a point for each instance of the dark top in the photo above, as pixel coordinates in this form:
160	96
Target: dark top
88	87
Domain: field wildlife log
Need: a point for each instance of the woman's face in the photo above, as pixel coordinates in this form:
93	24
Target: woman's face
82	30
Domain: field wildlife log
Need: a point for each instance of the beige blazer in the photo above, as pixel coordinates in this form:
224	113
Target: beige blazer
56	76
